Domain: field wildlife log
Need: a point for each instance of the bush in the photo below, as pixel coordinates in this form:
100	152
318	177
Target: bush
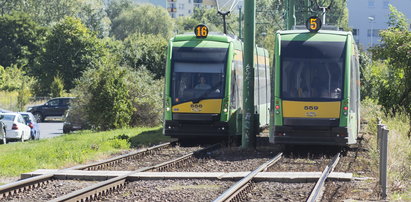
111	97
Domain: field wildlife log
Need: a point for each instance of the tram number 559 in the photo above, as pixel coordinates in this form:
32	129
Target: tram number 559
310	107
201	31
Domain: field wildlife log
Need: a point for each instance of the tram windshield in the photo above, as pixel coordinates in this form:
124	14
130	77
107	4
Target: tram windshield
195	78
312	70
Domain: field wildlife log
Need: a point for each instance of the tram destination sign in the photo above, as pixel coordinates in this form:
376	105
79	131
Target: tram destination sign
201	31
313	24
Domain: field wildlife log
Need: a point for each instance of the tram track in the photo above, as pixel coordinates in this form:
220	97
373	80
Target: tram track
37	181
106	187
201	175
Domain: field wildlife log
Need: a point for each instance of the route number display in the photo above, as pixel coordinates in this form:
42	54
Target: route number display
313	24
201	31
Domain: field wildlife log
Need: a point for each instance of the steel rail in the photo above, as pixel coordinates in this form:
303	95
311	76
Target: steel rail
114	160
29	183
321	181
235	190
105	187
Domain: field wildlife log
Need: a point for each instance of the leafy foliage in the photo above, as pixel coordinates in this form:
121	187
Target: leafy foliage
93	14
20	41
146	50
43	12
394	50
12	78
144	19
57	87
110	106
70	49
115	8
113	97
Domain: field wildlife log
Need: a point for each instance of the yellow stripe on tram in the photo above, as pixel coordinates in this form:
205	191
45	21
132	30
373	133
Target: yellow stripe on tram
209	106
298	109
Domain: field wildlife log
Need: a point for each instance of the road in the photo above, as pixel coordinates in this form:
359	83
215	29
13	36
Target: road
50	129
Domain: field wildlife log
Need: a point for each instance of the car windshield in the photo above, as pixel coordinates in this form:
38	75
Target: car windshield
312	70
8	117
26	118
197	76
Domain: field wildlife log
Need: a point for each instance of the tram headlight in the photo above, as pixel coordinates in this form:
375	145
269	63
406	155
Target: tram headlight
168	108
225	110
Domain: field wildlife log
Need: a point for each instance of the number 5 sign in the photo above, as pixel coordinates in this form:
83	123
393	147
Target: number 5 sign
313	24
201	31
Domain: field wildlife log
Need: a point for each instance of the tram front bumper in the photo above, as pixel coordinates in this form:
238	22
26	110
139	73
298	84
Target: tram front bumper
177	129
309	135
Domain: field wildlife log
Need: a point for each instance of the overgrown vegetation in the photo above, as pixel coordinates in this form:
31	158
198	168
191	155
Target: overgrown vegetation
68	150
399	153
386	93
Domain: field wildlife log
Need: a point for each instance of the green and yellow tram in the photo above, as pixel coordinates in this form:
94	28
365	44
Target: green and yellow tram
316	92
204	87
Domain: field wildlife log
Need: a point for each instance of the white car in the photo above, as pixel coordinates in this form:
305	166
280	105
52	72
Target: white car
2	131
16	127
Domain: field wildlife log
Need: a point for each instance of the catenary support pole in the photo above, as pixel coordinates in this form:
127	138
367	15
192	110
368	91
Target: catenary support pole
291	21
240	20
248	131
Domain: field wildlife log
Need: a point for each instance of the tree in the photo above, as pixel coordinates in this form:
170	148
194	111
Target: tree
394	50
21	40
71	48
146	50
337	14
42	12
186	24
57	87
144	19
115	8
93	14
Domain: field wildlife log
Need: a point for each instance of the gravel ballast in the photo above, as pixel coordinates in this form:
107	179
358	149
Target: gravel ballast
152	159
228	160
275	191
170	190
49	191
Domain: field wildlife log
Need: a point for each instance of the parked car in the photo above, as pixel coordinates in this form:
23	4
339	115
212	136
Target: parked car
2	130
32	123
73	122
16	127
53	107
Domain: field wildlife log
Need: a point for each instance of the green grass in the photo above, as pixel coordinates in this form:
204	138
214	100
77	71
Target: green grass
399	149
72	149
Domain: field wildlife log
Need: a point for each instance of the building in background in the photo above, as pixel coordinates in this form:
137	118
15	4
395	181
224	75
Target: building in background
162	3
368	17
181	8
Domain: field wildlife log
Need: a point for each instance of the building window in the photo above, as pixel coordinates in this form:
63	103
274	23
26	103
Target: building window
189	1
371	3
173	15
198	1
181	15
181	6
355	32
189	11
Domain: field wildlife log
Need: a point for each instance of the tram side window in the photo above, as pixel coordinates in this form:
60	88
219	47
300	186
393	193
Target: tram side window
354	87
